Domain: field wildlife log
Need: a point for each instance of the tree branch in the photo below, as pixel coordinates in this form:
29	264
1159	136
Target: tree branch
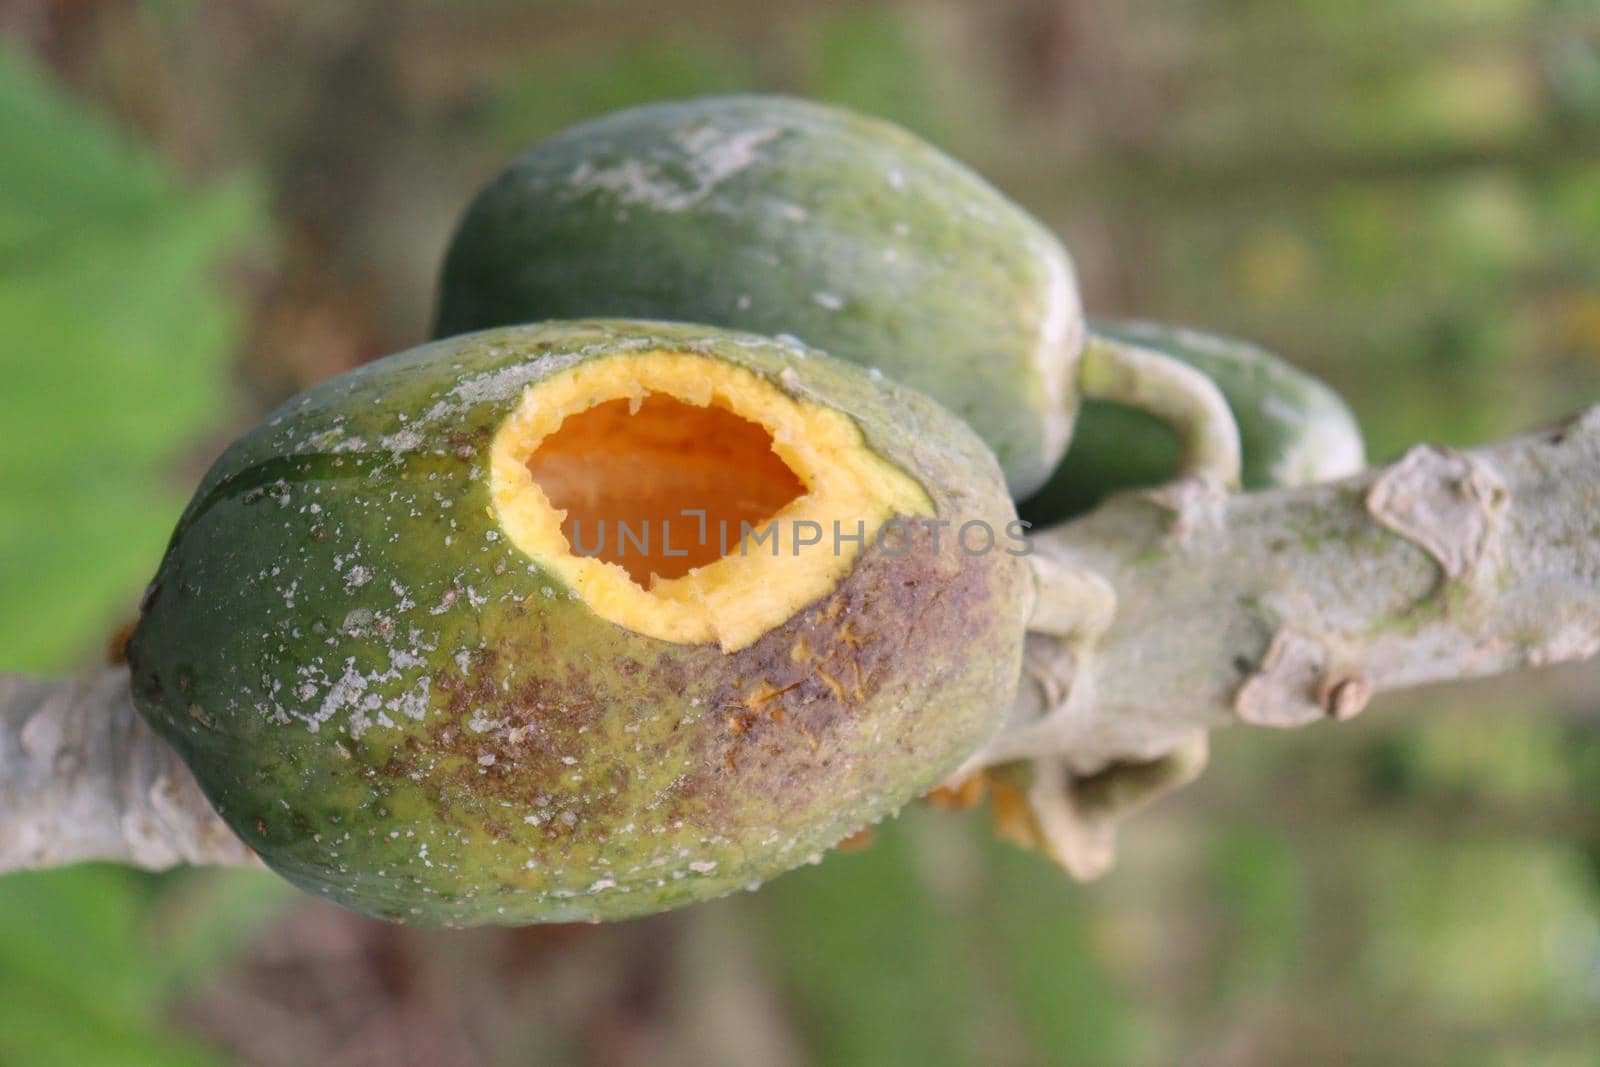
1288	607
1277	608
82	777
1285	607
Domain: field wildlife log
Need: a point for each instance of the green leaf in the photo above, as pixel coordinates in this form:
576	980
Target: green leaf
114	361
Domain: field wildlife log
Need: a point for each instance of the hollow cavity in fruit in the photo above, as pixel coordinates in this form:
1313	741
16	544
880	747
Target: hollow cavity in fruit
639	446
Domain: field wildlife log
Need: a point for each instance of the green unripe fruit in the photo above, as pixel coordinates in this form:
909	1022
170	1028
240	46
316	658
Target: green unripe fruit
1293	429
786	217
402	684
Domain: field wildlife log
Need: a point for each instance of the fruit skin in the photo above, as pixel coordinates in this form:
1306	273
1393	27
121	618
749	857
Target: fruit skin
1293	428
783	216
402	712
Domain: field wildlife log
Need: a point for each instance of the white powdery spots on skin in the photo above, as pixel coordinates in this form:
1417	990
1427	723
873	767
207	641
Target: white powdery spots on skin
333	439
408	439
354	694
357	620
414	703
508	383
714	156
387	685
976	209
365	697
501	384
345	694
481	724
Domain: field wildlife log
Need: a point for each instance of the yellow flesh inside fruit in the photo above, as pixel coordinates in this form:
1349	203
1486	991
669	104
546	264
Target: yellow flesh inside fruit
689	499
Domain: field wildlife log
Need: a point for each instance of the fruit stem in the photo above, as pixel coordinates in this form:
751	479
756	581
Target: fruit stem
1174	392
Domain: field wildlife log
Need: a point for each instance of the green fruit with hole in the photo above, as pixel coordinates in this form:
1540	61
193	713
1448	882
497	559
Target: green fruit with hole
582	620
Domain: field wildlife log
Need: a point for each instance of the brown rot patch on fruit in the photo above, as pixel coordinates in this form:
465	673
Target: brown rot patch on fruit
806	698
432	720
515	755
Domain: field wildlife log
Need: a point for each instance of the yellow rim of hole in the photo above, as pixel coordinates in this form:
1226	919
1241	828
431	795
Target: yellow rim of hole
739	597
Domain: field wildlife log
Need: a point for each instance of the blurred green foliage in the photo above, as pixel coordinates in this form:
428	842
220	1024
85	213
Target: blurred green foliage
863	58
90	958
681	66
930	949
115	360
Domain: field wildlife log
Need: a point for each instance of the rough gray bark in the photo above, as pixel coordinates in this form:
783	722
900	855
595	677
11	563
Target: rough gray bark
1286	607
1275	609
83	778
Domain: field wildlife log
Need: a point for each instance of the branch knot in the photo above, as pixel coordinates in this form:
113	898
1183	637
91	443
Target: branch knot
1445	502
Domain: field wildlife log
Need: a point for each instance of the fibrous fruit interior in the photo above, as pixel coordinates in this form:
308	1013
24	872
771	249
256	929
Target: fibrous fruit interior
687	498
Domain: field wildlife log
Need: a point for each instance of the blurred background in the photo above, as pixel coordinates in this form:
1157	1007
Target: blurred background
207	207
